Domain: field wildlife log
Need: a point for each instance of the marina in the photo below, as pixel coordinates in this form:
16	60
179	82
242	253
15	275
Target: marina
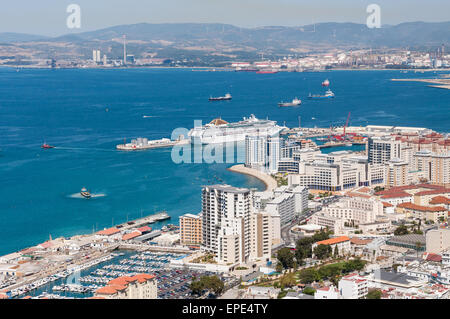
82	283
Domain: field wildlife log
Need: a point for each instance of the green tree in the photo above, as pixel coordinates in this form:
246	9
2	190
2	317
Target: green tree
378	189
196	287
279	267
418	246
374	294
322	251
212	283
336	251
286	258
309	291
401	230
303	249
308	276
322	235
215	284
288	280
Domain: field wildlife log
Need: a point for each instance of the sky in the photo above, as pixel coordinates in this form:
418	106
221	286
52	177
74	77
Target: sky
48	17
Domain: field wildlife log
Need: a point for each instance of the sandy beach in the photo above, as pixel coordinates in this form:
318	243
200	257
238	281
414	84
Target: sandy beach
268	180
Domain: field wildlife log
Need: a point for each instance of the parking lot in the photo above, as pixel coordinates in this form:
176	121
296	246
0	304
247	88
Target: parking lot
174	284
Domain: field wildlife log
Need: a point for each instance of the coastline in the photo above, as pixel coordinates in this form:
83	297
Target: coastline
268	180
443	83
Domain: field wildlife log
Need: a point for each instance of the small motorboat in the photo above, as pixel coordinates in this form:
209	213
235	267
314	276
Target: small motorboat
85	193
46	146
227	97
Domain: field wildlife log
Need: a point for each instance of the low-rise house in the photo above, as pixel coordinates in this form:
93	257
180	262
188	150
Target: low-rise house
342	244
328	292
413	211
256	292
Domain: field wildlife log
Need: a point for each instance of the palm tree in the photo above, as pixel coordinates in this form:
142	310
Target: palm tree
418	247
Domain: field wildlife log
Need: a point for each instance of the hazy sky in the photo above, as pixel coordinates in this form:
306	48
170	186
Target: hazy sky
48	17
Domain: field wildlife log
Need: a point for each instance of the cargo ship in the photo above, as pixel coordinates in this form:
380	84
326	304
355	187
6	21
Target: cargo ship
142	143
221	98
328	94
295	102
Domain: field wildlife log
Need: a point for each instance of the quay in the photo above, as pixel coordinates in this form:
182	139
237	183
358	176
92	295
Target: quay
331	144
143	247
144	220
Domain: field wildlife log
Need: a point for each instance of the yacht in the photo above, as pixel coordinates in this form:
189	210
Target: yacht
85	193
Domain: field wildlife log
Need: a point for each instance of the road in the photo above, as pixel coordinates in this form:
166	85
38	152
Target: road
286	234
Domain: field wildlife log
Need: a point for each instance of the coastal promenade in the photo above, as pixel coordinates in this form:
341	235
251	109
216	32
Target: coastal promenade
268	180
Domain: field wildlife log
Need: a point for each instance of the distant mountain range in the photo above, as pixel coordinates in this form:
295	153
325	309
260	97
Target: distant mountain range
228	40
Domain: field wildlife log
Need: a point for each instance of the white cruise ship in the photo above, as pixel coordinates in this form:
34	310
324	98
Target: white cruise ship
220	131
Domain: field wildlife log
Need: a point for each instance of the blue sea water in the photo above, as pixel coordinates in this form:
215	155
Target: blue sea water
85	113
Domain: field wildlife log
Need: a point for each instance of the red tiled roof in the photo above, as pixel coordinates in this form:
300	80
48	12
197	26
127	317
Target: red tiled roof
440	200
396	194
434	257
422	208
46	244
110	289
333	241
121	283
144	229
351	194
131	235
386	204
442	190
402	189
109	231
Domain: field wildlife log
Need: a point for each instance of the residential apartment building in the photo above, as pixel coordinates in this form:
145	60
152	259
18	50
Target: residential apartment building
382	149
332	223
435	166
190	229
232	229
438	240
355	210
353	287
141	286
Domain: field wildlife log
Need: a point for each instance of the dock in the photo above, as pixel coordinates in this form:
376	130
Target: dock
144	220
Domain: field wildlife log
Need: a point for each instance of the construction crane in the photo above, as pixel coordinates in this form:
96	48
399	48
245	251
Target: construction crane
346	124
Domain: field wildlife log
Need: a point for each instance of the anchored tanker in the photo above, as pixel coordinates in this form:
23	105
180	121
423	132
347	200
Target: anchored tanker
220	131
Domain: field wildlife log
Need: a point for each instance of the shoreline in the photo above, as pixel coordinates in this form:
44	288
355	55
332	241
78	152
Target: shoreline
268	180
442	83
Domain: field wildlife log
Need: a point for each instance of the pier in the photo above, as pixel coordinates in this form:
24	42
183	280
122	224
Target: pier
144	220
